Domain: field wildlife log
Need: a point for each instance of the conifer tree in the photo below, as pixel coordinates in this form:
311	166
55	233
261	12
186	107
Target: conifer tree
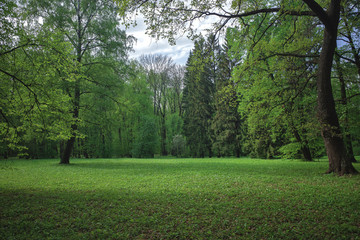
226	124
198	99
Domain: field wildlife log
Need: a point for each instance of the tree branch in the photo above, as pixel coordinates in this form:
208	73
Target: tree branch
290	55
347	59
319	11
348	98
15	48
24	84
246	14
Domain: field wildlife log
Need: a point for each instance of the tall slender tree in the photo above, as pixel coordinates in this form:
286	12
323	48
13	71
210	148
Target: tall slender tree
158	69
226	123
198	99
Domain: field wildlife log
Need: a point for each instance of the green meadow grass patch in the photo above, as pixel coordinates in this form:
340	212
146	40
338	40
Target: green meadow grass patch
176	199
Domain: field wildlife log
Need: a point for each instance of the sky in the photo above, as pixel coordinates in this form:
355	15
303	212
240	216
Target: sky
179	52
147	45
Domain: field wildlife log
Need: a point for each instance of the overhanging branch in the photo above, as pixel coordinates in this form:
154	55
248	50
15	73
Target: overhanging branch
246	14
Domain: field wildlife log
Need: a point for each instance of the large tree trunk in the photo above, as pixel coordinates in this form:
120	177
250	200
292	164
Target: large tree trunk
65	158
339	163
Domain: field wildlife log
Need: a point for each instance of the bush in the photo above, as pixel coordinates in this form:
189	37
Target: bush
178	147
291	150
147	140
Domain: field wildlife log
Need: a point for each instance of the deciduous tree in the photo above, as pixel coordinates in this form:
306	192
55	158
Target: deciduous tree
92	28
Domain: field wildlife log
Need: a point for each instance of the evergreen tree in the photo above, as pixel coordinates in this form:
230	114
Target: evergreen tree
226	125
198	99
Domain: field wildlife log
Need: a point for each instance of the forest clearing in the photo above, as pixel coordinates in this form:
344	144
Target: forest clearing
232	143
226	198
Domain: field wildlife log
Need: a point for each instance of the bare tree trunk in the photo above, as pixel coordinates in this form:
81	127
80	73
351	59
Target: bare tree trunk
339	163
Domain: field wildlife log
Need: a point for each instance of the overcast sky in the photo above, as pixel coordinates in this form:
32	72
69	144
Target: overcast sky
147	45
179	53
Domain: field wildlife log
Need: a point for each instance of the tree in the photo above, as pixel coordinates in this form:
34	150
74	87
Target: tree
178	146
227	123
344	102
99	109
92	28
277	95
330	128
34	112
198	99
146	140
347	66
158	70
176	85
167	18
174	121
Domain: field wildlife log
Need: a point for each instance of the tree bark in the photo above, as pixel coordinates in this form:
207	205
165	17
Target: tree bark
65	159
305	150
339	163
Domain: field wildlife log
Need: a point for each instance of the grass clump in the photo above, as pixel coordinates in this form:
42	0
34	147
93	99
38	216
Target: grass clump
177	199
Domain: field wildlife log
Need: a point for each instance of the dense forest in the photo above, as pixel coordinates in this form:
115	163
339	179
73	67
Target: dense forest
271	79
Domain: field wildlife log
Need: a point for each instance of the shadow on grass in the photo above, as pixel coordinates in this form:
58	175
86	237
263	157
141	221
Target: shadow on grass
37	214
235	167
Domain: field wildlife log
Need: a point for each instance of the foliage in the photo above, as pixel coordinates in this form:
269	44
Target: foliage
176	198
33	107
227	125
67	87
174	127
146	140
158	69
92	29
198	98
276	83
178	147
294	39
135	101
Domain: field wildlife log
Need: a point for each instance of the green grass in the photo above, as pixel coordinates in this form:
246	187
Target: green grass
176	199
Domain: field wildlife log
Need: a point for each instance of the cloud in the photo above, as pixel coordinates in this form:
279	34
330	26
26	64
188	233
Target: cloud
179	53
147	45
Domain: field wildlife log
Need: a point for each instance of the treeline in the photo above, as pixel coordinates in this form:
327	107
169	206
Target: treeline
68	88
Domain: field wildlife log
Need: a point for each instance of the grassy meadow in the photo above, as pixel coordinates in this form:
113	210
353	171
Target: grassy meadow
176	199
